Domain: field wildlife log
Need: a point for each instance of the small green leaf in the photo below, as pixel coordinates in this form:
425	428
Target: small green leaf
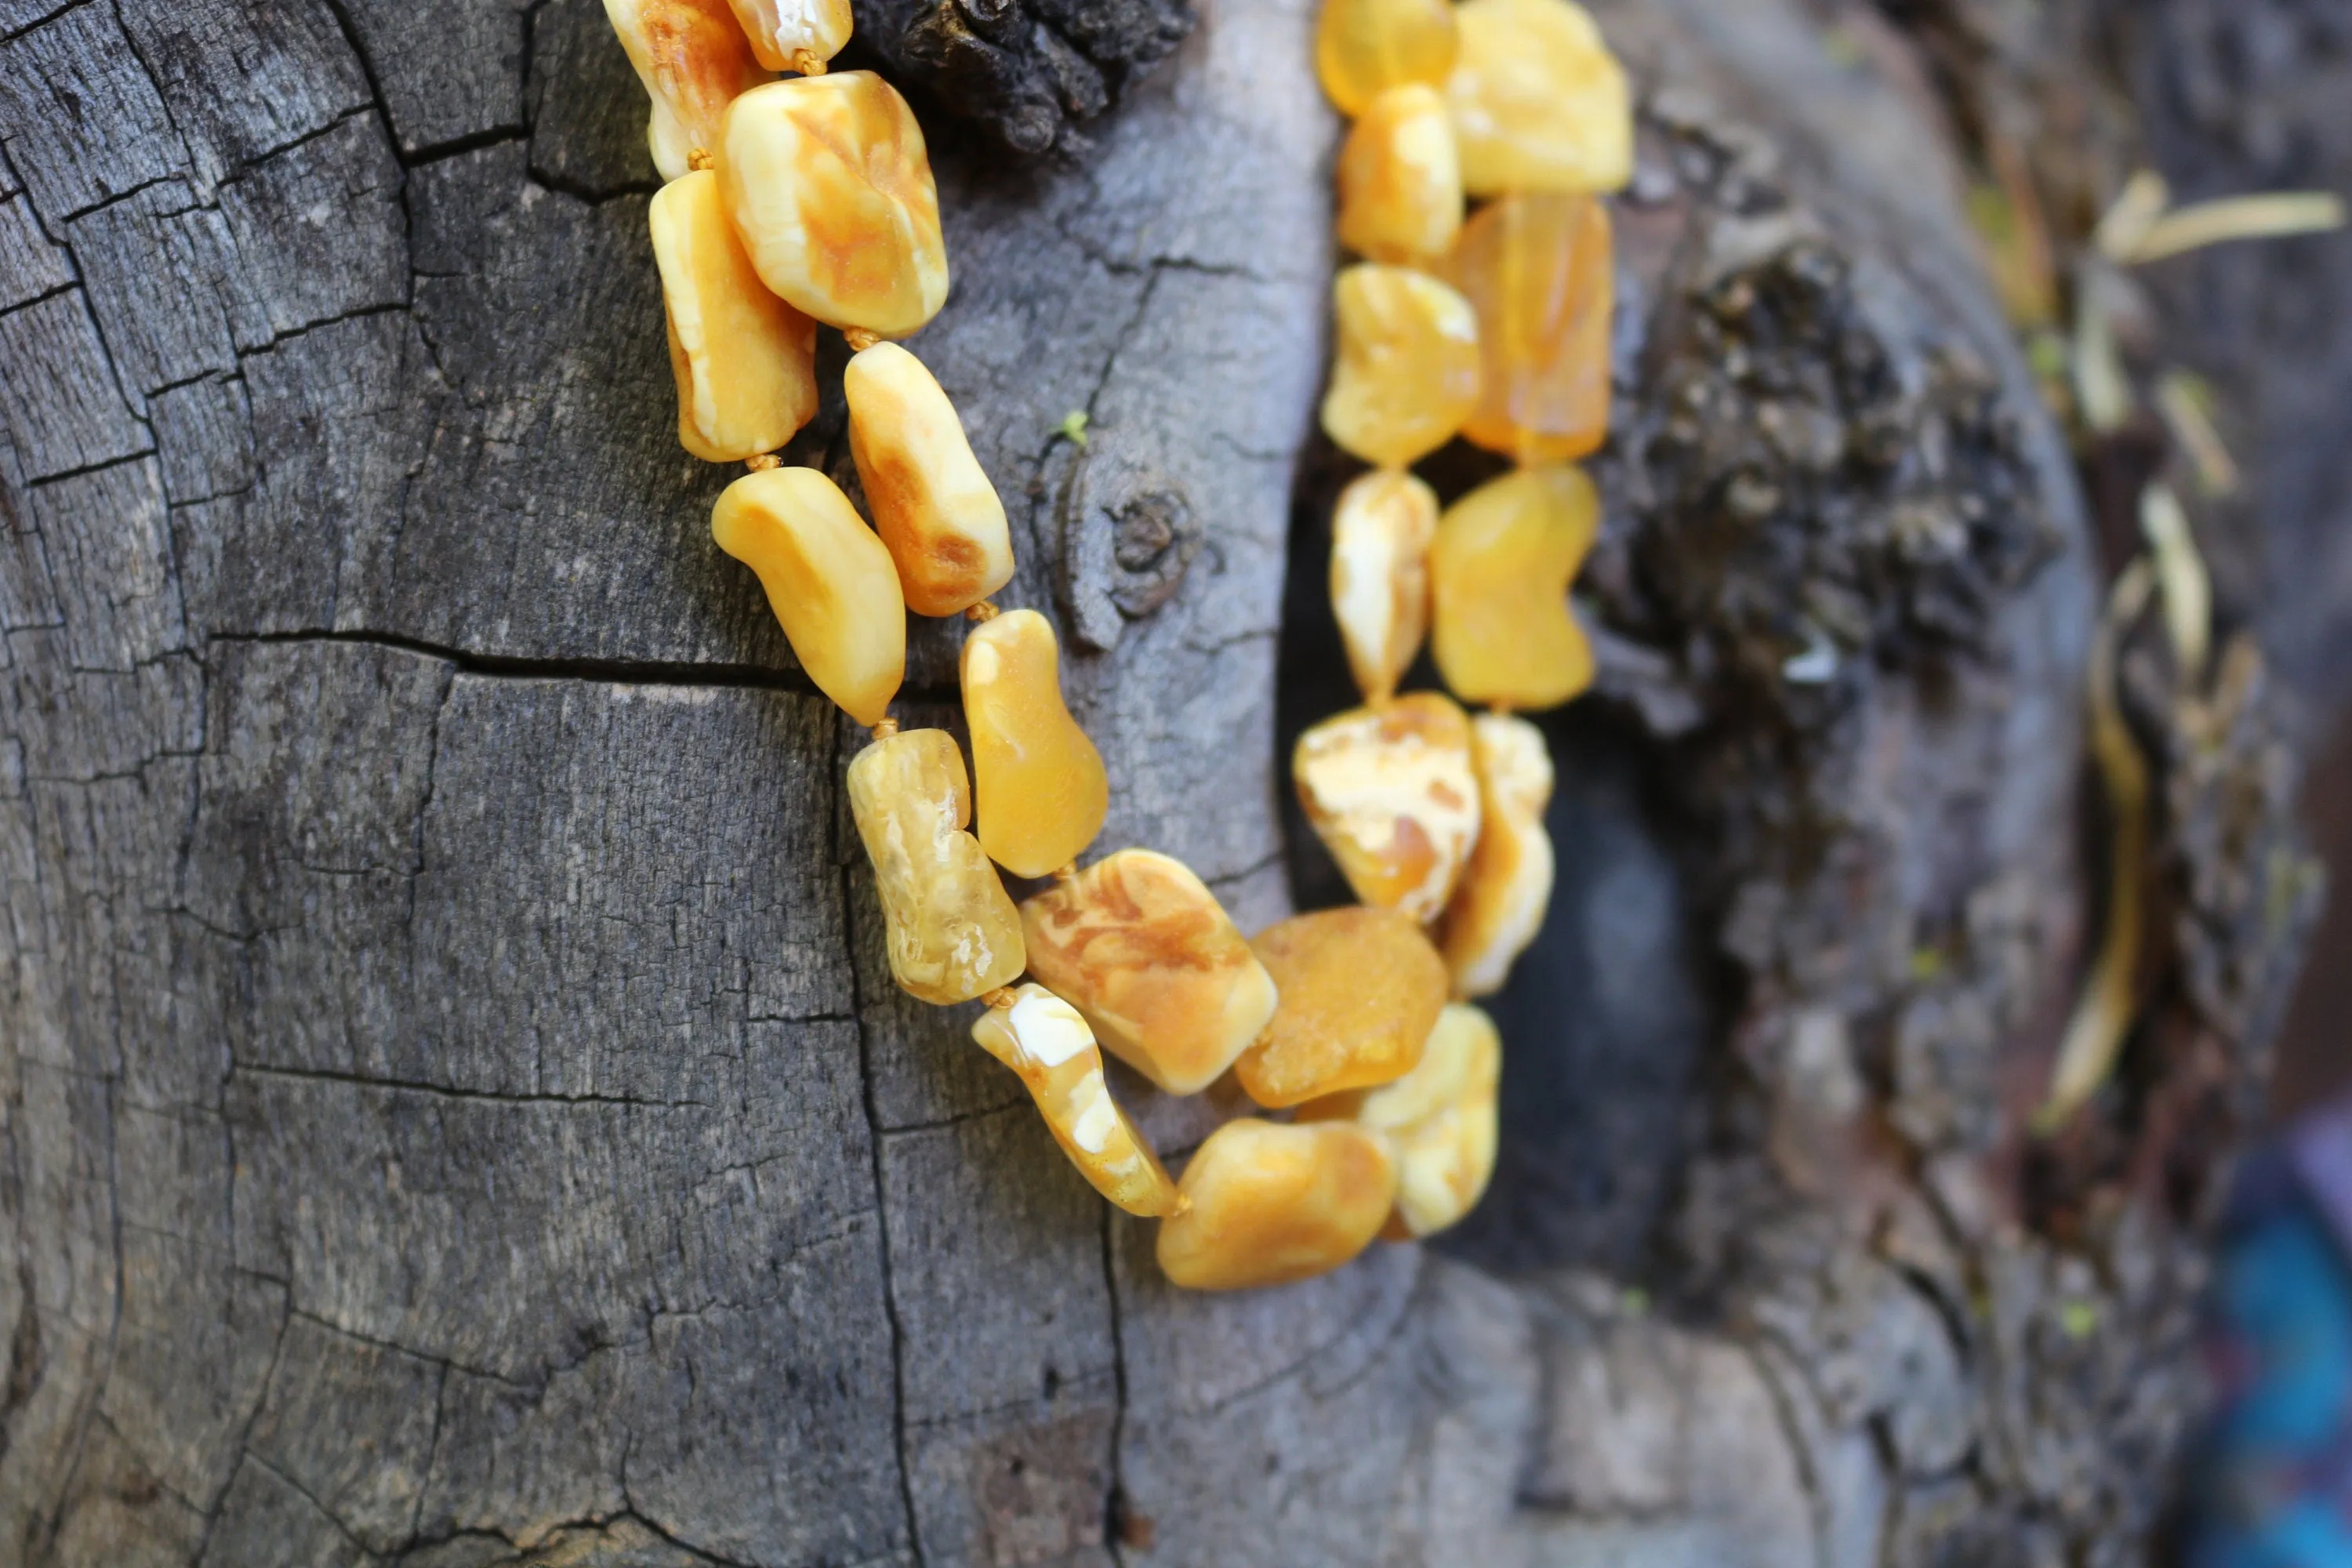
2080	1320
1073	428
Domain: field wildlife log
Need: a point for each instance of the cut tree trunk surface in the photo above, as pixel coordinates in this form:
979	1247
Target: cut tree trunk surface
457	1110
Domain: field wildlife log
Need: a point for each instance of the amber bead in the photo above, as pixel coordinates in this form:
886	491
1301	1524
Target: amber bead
794	35
827	180
1537	269
1393	794
693	60
745	362
1405	372
1138	945
1498	576
950	931
1362	47
1359	991
1268	1204
1400	182
1042	791
932	504
829	581
1043	1039
1539	103
1507	887
1439	1121
1381	532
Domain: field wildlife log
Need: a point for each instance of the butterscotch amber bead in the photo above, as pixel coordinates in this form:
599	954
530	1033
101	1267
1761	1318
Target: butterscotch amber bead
1363	48
1142	948
1405	374
745	362
1359	991
1507	887
829	581
1269	1205
1381	532
1042	791
1043	1039
667	140
1439	1121
1539	104
1498	575
827	180
950	931
794	35
693	61
932	505
1400	182
1537	269
1393	794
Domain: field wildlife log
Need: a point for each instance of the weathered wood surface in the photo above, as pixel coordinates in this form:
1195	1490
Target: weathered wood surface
456	1110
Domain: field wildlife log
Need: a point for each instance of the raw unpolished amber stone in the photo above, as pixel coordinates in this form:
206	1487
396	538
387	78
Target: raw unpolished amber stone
1392	793
1142	947
1044	1040
1358	990
1405	374
1381	532
952	933
794	35
1400	182
828	579
932	505
1537	270
1438	1120
745	361
1539	104
1042	792
827	181
1498	576
1364	46
693	60
1270	1204
1507	887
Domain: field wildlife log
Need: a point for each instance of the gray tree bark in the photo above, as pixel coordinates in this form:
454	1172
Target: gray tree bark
456	1110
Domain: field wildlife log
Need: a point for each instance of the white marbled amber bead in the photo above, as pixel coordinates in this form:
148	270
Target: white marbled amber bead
829	581
952	933
1400	182
794	35
1439	1120
932	503
1505	890
1380	532
1043	1038
745	362
1392	793
693	61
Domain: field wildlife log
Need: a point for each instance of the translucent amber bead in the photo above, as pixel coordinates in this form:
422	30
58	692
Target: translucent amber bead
1405	374
1507	887
794	35
1142	948
1439	1120
828	579
1364	46
693	61
745	361
1044	1040
932	505
1539	103
828	182
1392	793
1042	792
1359	991
1537	269
1498	576
1399	183
952	933
1270	1204
1379	575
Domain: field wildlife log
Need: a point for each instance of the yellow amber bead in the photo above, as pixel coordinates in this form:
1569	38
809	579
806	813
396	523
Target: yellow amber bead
667	140
1140	946
1537	269
693	61
1364	46
828	579
1439	1120
1498	576
952	933
794	35
1539	103
827	181
932	505
1392	793
1507	887
1044	1040
1270	1204
1381	532
1399	183
745	361
1405	374
1042	792
1359	991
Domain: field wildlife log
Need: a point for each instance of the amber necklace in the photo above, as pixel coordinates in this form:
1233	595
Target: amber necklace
808	200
